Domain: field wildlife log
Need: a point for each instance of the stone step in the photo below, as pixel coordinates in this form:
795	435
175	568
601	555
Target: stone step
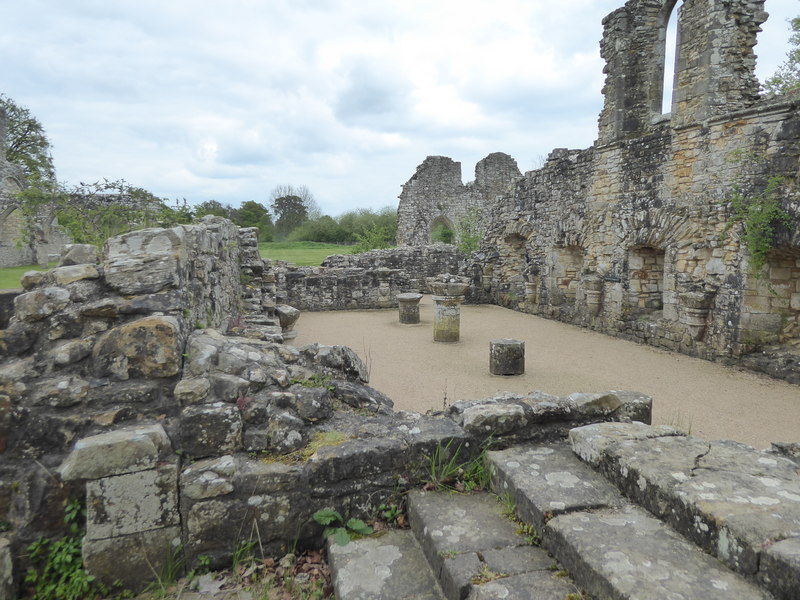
388	566
611	548
738	504
477	552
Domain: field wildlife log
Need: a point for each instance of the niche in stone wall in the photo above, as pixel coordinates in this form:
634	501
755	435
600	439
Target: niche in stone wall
514	263
11	227
771	303
646	279
565	269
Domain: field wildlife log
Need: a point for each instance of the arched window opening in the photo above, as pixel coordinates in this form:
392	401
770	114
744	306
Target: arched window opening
666	57
442	230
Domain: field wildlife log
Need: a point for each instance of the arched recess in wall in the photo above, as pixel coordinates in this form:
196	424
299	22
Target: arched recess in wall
566	264
442	230
12	222
646	279
667	54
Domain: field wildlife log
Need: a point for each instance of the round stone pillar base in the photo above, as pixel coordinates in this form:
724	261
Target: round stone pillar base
446	318
506	357
408	304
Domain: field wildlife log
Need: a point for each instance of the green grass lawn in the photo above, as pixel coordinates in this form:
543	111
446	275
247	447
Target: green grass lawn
10	276
307	254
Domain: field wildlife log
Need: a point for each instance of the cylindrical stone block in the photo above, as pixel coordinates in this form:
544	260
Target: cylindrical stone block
408	304
506	357
446	318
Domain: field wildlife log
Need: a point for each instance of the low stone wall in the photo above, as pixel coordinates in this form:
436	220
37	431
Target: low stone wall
364	281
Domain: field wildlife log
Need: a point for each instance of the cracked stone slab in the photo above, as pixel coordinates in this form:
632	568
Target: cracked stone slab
527	586
387	567
548	480
628	553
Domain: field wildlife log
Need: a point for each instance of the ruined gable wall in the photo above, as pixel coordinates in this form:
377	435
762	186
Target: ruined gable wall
436	194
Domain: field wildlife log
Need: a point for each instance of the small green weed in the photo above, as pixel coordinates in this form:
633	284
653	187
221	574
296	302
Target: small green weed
316	381
392	513
444	469
336	526
485	575
57	571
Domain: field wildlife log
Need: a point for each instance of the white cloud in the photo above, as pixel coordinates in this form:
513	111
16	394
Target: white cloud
203	99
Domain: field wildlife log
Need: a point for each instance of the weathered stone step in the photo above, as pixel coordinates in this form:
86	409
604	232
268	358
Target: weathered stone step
611	548
390	566
479	553
738	504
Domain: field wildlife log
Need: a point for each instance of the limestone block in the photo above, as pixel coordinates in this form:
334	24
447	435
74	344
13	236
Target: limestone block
72	351
590	441
145	261
499	418
59	392
70	274
779	567
147	347
794	303
192	390
228	388
78	254
312	404
209	478
17	338
132	503
40	304
122	451
131	559
285	432
361	396
210	429
30	279
6	569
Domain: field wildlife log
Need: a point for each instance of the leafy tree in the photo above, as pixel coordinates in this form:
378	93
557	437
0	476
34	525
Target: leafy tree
469	232
290	212
212	207
787	78
324	229
374	238
27	143
254	214
442	233
91	213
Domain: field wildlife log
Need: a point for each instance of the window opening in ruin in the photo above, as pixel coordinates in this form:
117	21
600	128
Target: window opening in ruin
771	304
12	226
442	231
565	271
646	279
669	37
514	264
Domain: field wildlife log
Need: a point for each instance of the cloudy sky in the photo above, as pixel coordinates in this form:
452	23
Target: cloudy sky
205	99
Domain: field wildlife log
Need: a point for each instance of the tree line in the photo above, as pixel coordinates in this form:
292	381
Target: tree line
93	212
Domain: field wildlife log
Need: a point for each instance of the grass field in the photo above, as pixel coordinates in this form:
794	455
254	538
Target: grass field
308	254
9	276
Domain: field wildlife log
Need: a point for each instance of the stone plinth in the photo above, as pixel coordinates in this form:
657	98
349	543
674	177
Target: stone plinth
408	304
506	357
447	318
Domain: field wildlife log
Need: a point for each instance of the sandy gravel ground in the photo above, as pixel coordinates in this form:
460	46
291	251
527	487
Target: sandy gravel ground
709	400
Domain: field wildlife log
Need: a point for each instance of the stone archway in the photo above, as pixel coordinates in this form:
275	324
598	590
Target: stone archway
442	230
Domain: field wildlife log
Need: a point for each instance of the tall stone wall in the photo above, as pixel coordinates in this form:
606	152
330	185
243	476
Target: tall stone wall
634	236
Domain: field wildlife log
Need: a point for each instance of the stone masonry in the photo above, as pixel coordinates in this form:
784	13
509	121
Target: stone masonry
633	236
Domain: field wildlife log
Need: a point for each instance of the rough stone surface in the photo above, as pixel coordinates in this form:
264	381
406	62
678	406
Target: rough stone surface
506	357
124	559
549	480
389	567
133	503
469	541
630	554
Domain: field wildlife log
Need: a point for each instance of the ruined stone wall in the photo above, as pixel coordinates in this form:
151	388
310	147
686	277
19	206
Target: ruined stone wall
435	195
633	236
365	281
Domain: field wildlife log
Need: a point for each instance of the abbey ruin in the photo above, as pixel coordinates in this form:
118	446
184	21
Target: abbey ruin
155	381
634	236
